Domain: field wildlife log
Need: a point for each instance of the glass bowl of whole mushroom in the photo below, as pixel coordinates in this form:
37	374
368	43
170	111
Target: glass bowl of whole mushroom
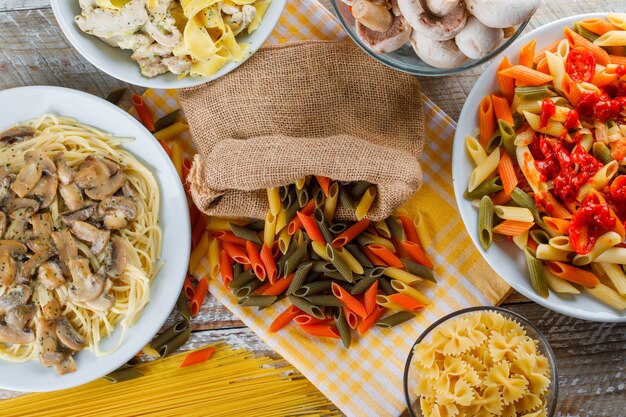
434	37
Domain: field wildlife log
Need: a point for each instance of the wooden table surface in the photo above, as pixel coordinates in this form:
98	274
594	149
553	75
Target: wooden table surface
591	357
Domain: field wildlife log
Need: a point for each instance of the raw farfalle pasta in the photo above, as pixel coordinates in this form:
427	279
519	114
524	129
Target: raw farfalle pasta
481	364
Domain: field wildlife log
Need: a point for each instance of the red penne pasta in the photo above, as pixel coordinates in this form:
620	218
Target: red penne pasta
166	148
188	288
194	214
284	318
199	356
559	225
502	109
542	66
198	296
386	255
304	319
270	265
597	25
406	302
486	120
348	300
506	84
409	229
507	173
351	318
542	53
374	259
225	236
255	260
572	274
236	253
143	111
417	253
295	224
278	287
198	230
369	298
311	228
501	198
350	233
324	183
602	56
527	54
525	76
321	330
226	267
512	227
371	319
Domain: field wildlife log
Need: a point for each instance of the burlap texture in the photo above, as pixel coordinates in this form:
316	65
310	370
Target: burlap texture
306	108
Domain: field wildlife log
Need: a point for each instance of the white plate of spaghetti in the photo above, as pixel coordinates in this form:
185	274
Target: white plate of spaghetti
92	252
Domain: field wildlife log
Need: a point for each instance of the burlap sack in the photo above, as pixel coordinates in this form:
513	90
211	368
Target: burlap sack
308	108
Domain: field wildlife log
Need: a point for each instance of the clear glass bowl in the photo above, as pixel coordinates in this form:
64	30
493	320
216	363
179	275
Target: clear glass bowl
405	59
411	373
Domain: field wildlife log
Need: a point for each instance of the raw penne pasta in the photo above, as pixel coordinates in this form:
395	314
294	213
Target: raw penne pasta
255	260
405	301
484	170
365	203
398	233
370	320
348	300
198	252
379	240
475	150
521	214
386	255
416	252
284	238
214	257
351	233
382	229
422	230
404	288
177	158
402	275
384	301
395	319
269	232
350	260
274	200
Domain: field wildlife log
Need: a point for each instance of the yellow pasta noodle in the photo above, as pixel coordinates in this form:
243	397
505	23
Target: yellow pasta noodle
475	150
484	170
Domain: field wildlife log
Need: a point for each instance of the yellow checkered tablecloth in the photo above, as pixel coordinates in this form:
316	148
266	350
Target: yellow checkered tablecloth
366	380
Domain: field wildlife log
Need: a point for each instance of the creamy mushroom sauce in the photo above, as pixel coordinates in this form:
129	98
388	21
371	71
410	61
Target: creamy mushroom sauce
82	252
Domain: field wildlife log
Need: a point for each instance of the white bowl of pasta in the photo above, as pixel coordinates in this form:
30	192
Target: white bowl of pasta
481	361
96	254
553	135
160	43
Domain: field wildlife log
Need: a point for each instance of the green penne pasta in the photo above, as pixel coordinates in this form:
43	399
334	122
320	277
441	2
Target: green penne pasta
300	276
320	220
337	228
395	319
324	266
241	279
169	334
318	196
278	298
578	28
257	301
295	259
536	273
313	288
419	270
256	225
237	269
324	300
521	199
485	222
540	236
182	305
246	233
125	373
283	190
344	329
307	307
494	142
533	93
248	288
488	187
507	132
280	264
340	264
337	276
167	120
363	240
395	228
376	271
291	198
302	196
115	96
518	120
363	284
355	251
359	188
291	210
385	285
602	153
172	345
345	200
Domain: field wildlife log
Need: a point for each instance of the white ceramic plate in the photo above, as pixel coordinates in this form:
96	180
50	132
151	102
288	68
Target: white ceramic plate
504	257
21	104
117	63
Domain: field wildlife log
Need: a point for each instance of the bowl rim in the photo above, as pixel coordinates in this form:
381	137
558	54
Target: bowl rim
523	320
264	31
436	72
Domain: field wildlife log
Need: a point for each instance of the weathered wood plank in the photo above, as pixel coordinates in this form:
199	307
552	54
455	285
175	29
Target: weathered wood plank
12	5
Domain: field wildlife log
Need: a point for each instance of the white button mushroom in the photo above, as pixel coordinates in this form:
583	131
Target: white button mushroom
431	26
477	40
389	41
372	15
502	13
441	8
439	54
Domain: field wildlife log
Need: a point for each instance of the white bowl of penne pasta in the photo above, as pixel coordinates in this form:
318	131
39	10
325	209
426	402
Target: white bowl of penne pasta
167	43
539	166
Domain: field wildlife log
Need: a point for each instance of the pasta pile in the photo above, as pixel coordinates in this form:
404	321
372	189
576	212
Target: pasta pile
551	161
337	276
481	364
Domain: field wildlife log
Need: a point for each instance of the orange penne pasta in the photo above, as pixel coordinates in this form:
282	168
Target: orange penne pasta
311	228
198	296
284	318
507	173
542	66
143	111
255	260
602	56
370	320
308	319
570	90
225	236
351	317
374	259
556	208
351	233
199	356
559	225
606	76
572	274
296	224
512	227
324	183
409	229
279	286
226	267
597	25
321	330
501	198
348	300
527	54
619	60
386	255
526	76
417	253
198	230
188	288
502	109
406	302
270	265
542	53
369	298
506	84
486	120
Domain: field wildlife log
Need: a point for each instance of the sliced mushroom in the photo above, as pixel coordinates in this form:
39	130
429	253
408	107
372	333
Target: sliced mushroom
117	211
85	231
42	223
36	164
105	301
115	257
47	343
16	134
50	275
5	188
79	215
39	244
36	260
51	310
72	196
17	336
430	25
104	188
22	208
45	191
438	54
14	247
67	366
64	172
372	15
68	335
93	168
502	13
389	41
477	40
18	316
64	242
8	268
3	223
17	230
85	285
16	296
